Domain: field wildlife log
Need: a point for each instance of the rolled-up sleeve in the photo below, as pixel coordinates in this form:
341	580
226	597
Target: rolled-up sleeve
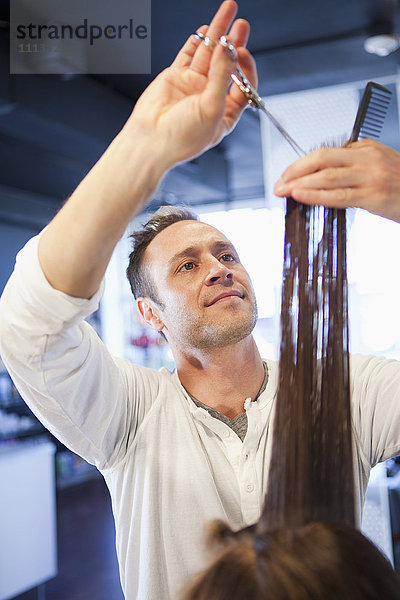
375	386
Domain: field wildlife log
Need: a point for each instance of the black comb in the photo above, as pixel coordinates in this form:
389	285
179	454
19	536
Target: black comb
371	112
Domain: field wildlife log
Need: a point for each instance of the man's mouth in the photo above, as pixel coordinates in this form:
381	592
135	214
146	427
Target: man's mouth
230	294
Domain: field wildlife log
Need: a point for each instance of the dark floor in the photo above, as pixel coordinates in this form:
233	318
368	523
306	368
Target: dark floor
87	562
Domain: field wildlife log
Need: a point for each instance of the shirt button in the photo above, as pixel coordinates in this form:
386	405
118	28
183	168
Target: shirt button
227	433
249	488
246	457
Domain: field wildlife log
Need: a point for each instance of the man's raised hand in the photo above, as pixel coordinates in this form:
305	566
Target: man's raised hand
189	107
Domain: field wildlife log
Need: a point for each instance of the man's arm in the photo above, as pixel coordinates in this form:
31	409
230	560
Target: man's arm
91	401
365	174
186	110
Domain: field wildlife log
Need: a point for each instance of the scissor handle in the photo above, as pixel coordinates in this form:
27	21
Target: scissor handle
253	98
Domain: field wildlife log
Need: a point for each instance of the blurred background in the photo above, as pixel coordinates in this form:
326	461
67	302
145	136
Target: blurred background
314	58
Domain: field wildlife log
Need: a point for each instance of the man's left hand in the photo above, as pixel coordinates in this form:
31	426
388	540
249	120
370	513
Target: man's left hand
364	174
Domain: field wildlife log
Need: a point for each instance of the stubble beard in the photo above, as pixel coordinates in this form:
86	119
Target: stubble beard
194	333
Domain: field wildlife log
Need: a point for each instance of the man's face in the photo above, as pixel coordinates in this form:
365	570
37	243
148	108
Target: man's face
206	294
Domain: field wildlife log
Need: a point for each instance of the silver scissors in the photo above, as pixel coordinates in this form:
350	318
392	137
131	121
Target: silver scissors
248	90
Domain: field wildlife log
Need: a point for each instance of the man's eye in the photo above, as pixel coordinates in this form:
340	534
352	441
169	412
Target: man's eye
187	266
227	257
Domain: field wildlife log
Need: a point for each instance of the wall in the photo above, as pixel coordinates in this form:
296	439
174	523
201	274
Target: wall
12	239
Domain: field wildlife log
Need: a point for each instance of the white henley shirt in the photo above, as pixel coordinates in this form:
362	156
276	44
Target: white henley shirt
169	465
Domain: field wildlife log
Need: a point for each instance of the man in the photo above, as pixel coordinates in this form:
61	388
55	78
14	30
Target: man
165	442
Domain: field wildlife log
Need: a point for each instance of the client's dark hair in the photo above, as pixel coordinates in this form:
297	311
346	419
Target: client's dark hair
318	561
138	276
311	471
305	545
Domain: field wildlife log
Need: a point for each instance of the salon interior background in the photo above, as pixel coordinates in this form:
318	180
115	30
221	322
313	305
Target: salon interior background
53	128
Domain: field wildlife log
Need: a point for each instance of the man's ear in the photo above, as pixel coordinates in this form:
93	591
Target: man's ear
149	313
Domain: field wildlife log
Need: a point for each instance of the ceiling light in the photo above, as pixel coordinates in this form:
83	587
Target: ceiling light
382	45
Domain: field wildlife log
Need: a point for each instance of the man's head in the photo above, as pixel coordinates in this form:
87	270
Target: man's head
137	271
189	282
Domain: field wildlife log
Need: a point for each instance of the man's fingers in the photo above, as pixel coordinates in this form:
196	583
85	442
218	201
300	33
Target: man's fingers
330	178
248	66
319	159
325	158
216	63
337	198
239	33
185	55
221	67
222	20
218	26
219	78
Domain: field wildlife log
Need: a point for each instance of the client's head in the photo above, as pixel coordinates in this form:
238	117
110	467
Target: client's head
318	561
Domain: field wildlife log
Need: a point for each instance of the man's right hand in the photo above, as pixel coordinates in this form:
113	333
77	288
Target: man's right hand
187	109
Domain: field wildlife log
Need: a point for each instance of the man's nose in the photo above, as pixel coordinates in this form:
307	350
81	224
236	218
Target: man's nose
218	273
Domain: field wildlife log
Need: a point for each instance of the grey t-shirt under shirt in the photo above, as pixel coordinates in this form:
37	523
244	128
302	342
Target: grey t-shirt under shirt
239	423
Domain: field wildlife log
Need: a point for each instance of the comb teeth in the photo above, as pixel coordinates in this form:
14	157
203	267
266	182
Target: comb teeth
371	112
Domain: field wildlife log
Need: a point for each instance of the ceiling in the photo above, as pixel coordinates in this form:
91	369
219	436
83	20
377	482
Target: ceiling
53	128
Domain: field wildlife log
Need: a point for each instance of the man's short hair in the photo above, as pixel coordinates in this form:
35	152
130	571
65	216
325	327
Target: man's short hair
139	277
